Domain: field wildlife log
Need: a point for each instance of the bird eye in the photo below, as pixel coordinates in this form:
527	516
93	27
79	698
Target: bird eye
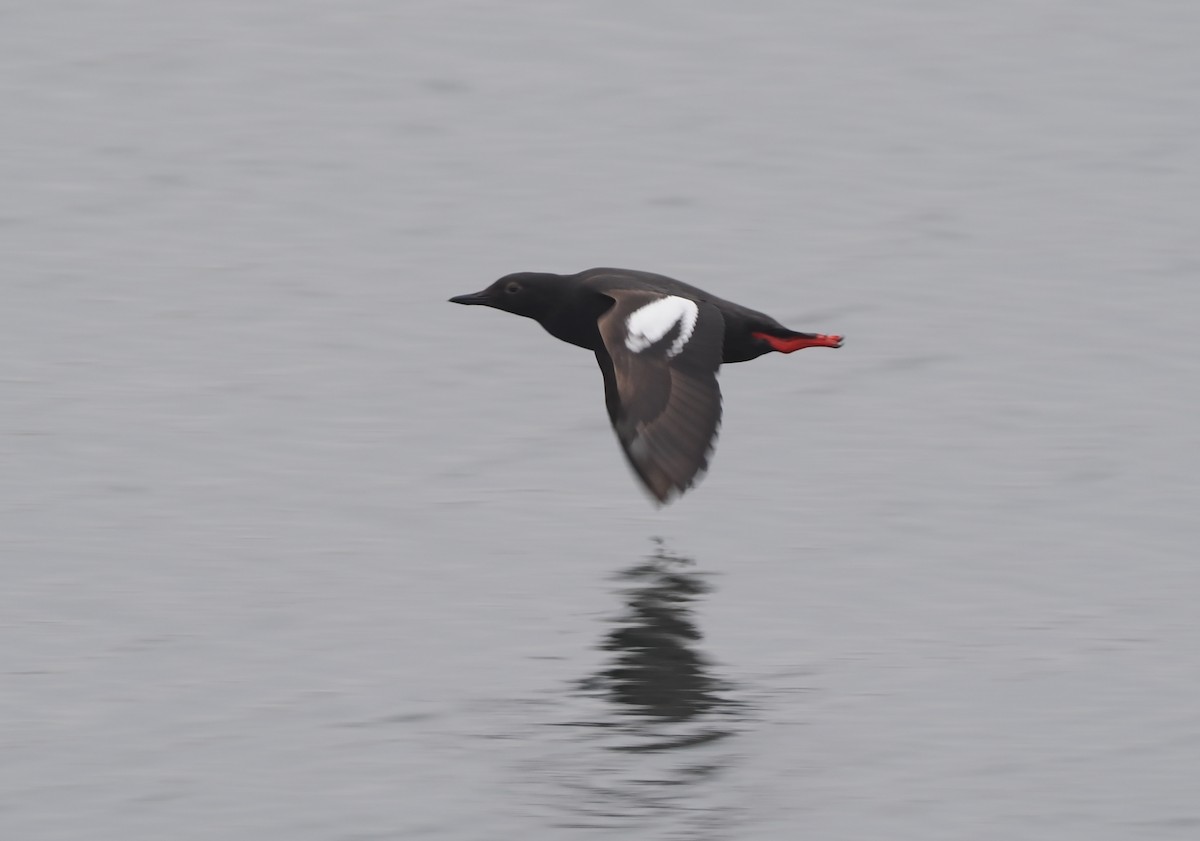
513	288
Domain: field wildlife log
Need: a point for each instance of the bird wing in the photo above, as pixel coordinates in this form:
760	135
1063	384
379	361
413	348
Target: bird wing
660	359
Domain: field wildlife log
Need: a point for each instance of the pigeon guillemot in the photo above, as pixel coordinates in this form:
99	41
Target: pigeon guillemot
659	343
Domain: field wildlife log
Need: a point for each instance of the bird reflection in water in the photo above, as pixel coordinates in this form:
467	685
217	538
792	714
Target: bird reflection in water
658	675
661	702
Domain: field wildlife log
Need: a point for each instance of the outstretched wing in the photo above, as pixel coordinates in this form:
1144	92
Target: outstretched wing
660	359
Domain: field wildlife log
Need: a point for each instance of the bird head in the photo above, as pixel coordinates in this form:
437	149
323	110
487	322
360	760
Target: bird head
531	294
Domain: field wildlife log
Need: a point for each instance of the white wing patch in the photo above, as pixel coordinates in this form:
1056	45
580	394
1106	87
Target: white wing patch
647	325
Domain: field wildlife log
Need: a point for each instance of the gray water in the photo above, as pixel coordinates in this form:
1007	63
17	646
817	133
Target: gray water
290	548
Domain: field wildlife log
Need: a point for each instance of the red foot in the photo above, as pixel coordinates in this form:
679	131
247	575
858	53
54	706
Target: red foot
799	342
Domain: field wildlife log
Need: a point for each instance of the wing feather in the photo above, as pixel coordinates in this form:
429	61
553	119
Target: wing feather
663	398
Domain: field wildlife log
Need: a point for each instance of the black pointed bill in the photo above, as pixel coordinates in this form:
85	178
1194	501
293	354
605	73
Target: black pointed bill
473	299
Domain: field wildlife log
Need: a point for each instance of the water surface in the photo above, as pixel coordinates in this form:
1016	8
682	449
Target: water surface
293	549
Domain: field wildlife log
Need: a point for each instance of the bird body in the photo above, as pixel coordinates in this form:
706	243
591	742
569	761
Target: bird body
659	343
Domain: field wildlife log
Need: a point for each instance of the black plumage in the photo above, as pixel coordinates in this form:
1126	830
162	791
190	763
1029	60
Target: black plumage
659	343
